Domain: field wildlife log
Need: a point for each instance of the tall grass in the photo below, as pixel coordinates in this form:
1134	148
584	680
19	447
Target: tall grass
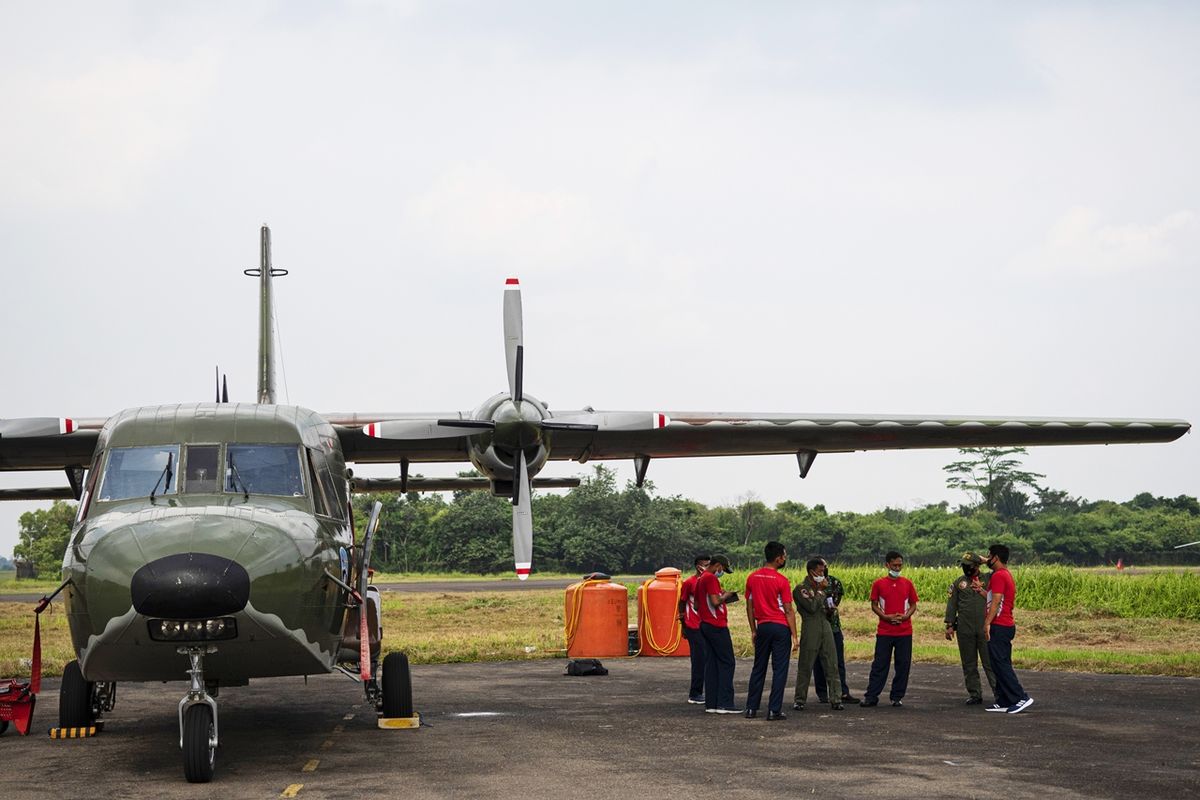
1166	595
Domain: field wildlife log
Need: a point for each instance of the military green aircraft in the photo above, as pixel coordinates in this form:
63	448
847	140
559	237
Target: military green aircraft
214	542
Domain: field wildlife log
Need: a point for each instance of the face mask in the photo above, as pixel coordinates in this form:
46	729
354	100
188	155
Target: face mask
818	578
969	570
783	564
894	573
719	573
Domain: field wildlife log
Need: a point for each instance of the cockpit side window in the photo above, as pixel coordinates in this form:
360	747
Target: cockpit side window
89	488
320	506
140	472
200	471
324	491
263	469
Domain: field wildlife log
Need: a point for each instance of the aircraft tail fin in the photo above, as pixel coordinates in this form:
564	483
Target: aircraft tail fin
266	319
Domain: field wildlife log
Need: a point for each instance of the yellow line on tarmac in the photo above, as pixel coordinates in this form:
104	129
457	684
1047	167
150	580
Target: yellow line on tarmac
311	766
348	716
292	790
328	743
339	728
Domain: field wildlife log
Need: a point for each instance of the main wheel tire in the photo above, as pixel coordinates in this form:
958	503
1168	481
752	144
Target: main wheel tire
397	686
75	698
3	726
198	755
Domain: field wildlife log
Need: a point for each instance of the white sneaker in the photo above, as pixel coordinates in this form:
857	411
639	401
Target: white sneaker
996	707
1021	706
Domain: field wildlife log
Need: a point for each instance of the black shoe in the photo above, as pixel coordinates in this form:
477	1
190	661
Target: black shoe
849	698
838	707
797	706
974	701
897	704
865	703
751	713
775	716
822	700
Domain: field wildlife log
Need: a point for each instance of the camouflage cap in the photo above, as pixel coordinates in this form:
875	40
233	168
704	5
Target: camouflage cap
971	560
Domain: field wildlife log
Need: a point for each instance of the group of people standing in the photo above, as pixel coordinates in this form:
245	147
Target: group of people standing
978	612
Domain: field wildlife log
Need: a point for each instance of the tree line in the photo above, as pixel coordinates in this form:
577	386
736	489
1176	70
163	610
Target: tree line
600	526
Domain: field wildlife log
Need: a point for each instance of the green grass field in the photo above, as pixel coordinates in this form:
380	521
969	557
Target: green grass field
1077	620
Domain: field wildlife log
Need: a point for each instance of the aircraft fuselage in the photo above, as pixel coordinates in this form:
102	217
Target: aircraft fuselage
215	524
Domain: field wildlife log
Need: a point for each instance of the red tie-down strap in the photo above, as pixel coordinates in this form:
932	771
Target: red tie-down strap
35	669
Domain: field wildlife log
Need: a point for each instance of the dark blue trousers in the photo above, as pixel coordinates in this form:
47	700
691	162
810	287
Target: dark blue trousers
819	671
1009	691
719	664
773	641
696	646
885	646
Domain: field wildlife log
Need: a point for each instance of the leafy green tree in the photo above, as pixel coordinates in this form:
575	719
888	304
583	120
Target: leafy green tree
992	475
43	536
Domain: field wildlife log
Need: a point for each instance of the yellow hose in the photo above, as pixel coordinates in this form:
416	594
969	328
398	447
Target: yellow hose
571	623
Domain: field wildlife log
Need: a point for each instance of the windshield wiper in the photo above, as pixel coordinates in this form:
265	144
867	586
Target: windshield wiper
165	473
237	479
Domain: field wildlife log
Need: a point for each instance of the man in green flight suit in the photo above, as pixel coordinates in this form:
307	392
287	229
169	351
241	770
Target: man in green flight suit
816	635
966	606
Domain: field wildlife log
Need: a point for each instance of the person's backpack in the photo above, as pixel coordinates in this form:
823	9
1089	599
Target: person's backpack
586	666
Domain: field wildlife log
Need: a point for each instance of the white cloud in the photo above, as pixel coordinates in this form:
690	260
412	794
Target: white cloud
92	138
1080	242
475	211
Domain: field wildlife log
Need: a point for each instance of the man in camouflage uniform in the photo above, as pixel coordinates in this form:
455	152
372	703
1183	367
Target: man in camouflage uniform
816	635
966	606
835	591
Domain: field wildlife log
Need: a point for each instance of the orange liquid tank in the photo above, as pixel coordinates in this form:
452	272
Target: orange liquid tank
596	619
659	632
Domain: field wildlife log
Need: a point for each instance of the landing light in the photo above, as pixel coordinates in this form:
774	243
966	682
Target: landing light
193	630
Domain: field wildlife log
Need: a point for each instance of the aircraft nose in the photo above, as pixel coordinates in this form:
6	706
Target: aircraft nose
189	586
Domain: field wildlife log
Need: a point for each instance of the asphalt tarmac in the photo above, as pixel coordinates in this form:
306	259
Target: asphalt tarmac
523	729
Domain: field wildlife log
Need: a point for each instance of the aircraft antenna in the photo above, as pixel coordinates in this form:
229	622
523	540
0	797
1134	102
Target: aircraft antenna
266	319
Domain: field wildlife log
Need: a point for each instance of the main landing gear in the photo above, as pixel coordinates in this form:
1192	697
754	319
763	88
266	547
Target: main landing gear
82	702
198	720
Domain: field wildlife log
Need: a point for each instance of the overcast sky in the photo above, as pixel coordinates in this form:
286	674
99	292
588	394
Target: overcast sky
909	208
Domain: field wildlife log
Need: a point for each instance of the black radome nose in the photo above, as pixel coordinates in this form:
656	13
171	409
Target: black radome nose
190	586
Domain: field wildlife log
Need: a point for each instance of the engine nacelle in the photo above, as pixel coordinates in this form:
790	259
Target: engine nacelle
494	453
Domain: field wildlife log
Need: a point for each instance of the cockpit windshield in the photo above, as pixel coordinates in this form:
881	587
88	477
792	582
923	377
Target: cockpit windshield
140	472
263	469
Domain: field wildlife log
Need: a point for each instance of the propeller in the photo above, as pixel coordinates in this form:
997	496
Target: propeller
27	427
515	429
514	344
415	429
522	520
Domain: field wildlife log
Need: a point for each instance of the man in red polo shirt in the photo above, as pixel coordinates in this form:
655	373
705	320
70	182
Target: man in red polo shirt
773	629
894	601
999	629
689	615
719	661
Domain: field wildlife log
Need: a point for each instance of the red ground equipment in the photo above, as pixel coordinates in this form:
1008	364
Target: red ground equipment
18	698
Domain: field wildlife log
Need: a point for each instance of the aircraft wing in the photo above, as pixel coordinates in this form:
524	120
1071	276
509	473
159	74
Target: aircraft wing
47	443
687	434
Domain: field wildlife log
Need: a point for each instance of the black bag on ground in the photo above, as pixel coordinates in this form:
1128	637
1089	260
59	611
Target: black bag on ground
586	666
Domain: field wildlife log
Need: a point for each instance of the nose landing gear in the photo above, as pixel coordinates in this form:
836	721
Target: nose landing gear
198	720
